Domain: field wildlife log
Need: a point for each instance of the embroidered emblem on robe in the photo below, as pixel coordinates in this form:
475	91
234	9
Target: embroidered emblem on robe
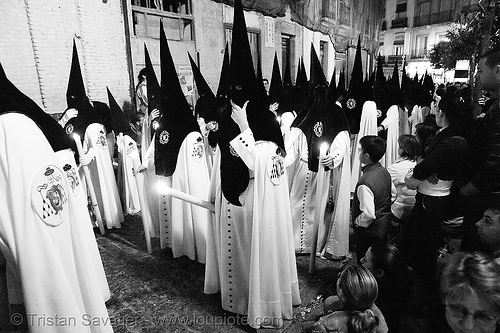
130	148
276	169
164	136
198	151
379	113
351	103
48	196
69	129
101	140
72	177
318	129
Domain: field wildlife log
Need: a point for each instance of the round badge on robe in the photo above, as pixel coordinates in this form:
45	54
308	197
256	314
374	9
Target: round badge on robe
197	150
379	113
276	169
164	136
131	147
49	196
351	103
318	129
69	128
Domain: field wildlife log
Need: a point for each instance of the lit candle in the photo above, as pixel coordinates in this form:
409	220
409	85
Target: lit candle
93	197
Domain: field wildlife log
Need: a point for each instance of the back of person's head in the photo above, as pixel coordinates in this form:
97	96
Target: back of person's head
472	276
363	322
410	146
455	104
387	258
425	132
374	145
142	74
492	57
357	288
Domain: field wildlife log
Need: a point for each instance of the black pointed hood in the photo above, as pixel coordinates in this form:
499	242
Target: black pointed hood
340	86
352	104
223	88
287	104
380	95
177	120
76	98
154	95
205	94
13	100
333	84
276	85
119	119
395	88
260	83
322	119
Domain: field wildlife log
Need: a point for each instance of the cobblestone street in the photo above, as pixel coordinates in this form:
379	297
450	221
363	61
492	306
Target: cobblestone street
157	293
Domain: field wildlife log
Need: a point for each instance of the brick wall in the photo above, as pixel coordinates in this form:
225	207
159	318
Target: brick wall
36	49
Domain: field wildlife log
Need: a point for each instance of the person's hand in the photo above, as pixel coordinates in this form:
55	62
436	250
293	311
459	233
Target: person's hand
433	179
153	115
327	161
69	114
87	158
380	128
273	107
239	115
212	126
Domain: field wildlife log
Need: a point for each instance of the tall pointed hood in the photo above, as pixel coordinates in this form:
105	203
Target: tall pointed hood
205	95
340	86
301	86
333	84
276	85
322	119
119	119
380	91
287	104
396	97
177	120
76	98
223	89
260	83
13	100
154	95
352	104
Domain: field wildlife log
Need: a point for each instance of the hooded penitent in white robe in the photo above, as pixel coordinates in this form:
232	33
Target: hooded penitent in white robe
128	160
391	123
404	125
287	119
367	126
415	118
302	189
150	211
188	229
227	268
103	176
333	233
273	281
45	229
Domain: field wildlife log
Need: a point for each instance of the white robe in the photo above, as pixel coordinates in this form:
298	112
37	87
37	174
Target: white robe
333	234
391	122
45	229
103	177
415	118
188	229
251	256
367	126
128	160
302	189
150	211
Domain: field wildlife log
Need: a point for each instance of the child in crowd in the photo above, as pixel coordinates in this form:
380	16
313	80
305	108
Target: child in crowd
371	207
353	309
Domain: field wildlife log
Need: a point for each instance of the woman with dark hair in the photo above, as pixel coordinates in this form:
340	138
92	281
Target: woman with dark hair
440	166
394	280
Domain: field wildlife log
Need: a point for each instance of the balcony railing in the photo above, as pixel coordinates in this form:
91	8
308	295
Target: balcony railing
419	54
392	59
433	18
399	23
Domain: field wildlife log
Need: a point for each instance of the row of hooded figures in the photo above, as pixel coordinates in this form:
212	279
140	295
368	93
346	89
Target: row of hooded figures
239	188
